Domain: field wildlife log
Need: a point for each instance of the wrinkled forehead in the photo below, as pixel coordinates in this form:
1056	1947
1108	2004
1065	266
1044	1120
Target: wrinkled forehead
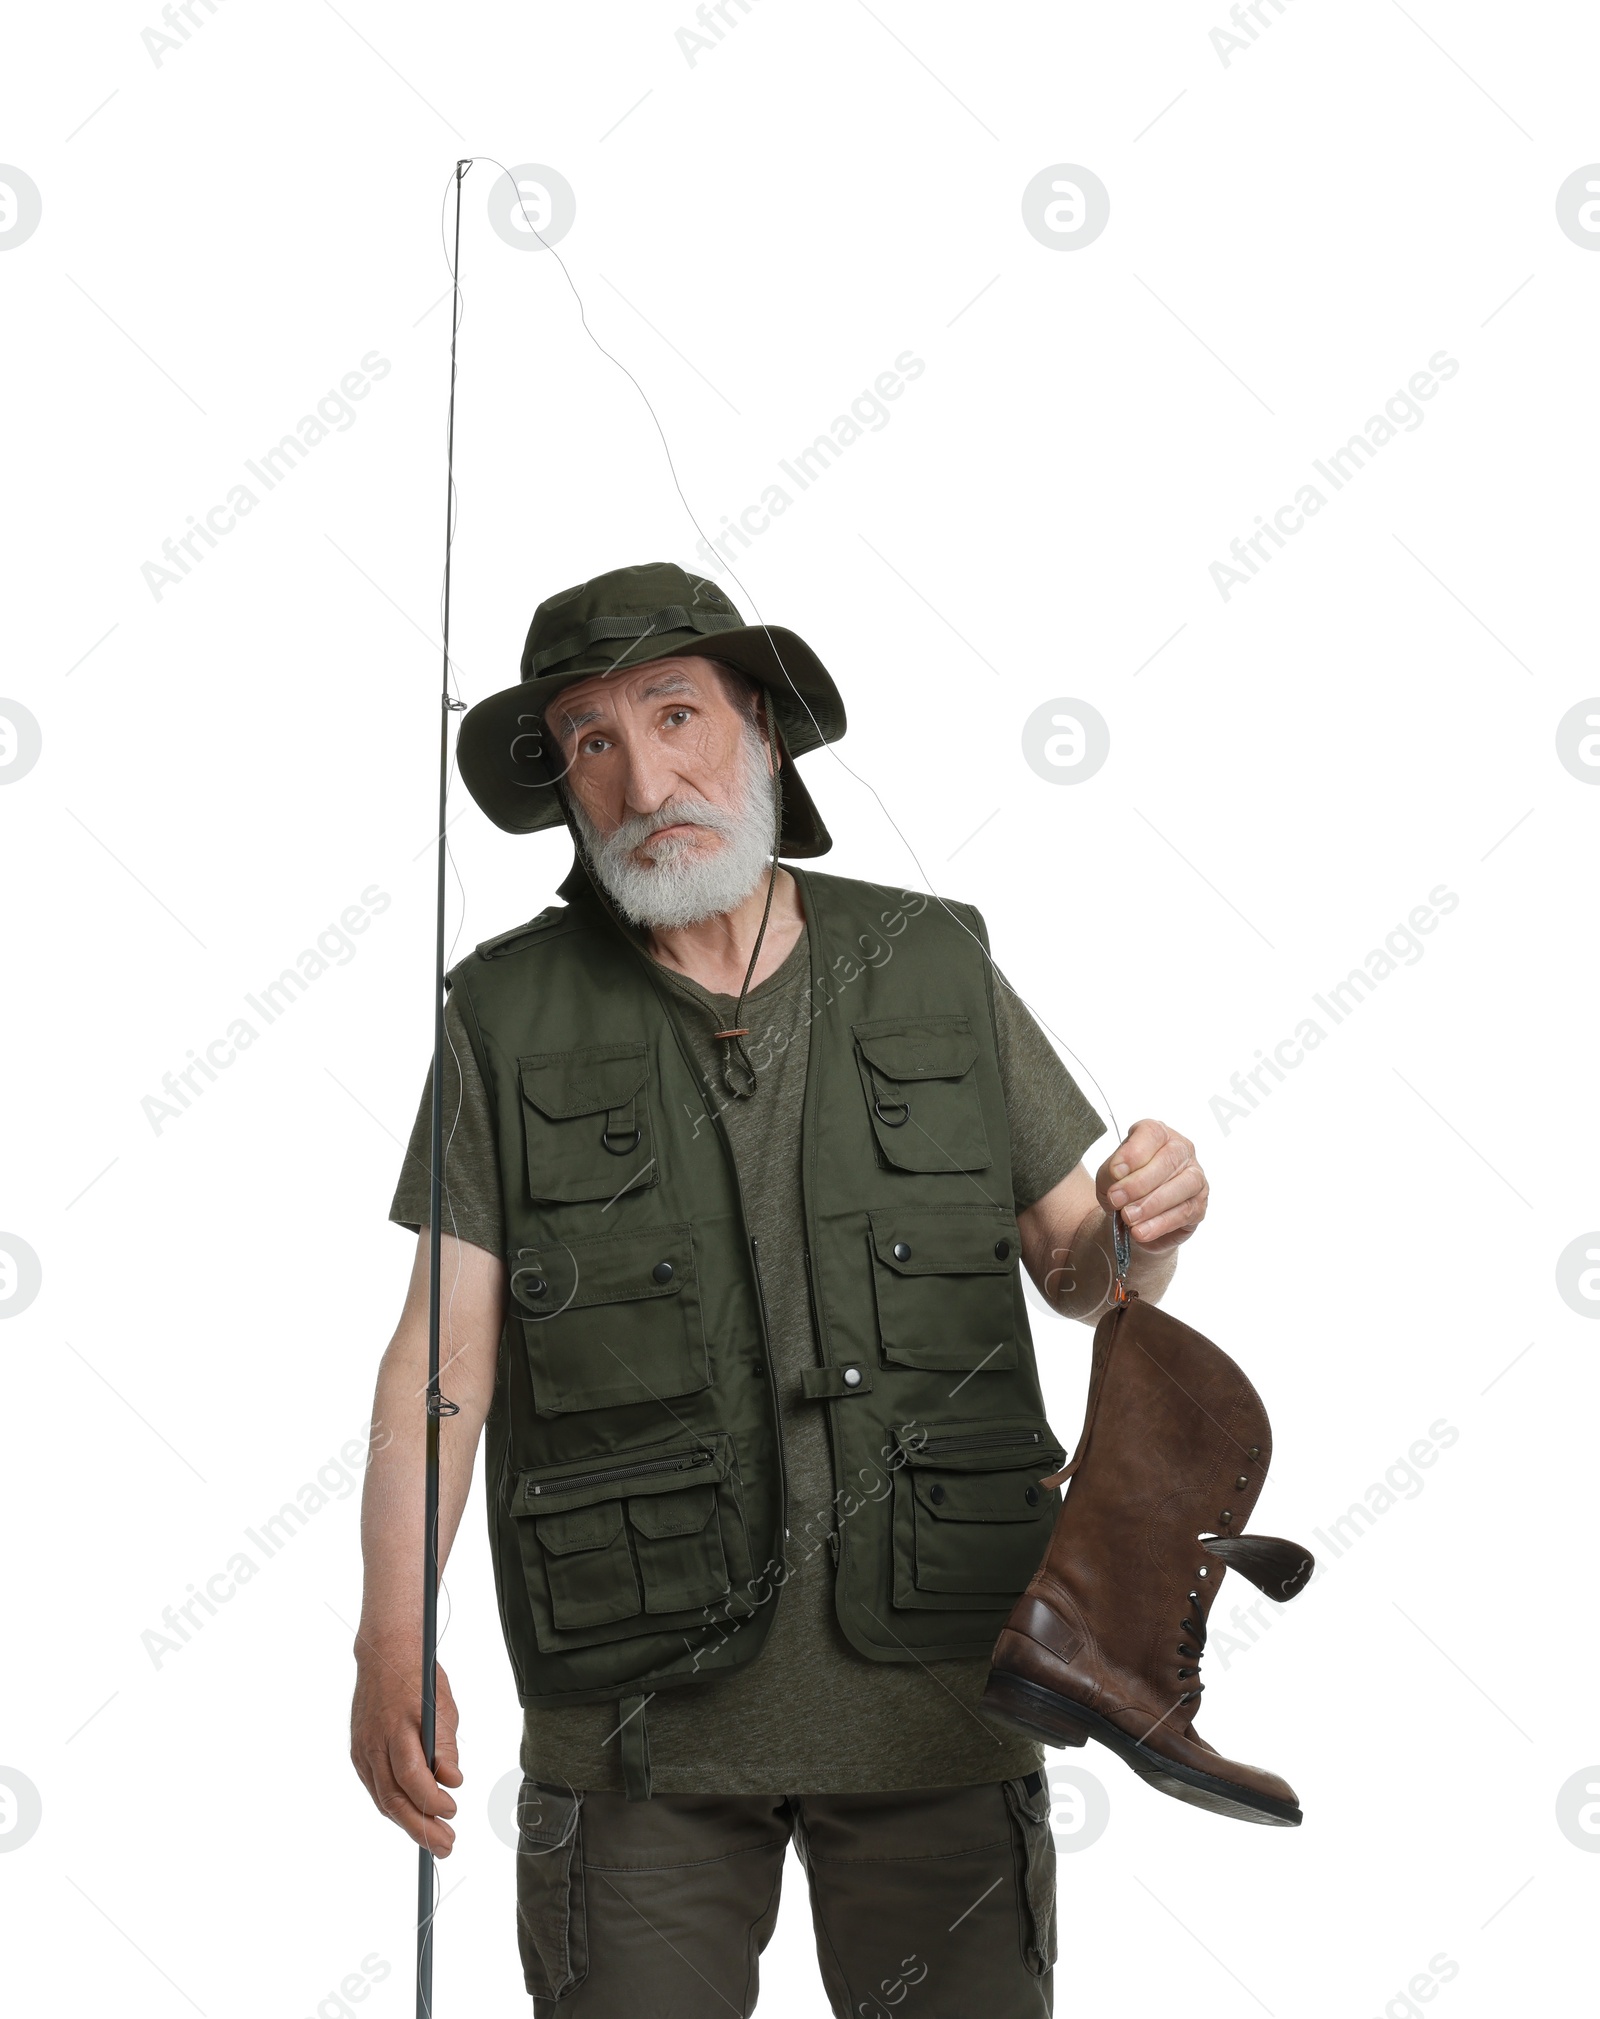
606	695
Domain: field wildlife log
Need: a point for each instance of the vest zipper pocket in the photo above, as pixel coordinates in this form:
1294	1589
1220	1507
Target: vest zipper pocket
604	1478
976	1443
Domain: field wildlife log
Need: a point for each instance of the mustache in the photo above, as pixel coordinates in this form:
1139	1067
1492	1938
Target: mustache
632	834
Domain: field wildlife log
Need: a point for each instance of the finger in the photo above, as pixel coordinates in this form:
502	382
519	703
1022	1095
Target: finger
409	1767
428	1831
364	1772
1164	1163
1187	1184
1170	1228
1137	1147
447	1759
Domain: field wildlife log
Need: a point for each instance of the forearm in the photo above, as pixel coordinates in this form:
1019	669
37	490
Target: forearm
392	1504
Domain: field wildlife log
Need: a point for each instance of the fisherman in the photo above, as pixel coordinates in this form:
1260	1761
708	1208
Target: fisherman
743	1164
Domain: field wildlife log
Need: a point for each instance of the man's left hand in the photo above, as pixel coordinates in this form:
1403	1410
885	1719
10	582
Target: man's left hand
1152	1179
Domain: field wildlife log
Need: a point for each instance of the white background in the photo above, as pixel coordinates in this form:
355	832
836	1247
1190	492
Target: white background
225	768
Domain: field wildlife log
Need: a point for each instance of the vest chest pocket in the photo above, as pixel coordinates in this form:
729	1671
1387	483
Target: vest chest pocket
586	1121
922	1093
944	1282
612	1319
971	1521
636	1546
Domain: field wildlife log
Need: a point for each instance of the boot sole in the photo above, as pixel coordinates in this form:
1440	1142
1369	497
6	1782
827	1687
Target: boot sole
1046	1715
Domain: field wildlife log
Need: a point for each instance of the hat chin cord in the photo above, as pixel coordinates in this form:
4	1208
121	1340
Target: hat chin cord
738	1074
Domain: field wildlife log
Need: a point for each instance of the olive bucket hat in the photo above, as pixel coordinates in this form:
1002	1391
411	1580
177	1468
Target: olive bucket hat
613	624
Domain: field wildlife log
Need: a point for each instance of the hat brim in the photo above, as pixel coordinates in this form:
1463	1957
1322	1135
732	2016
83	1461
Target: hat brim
501	749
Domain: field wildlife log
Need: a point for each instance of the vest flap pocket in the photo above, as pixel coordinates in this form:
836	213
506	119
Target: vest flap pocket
974	1496
586	1120
971	1521
679	1544
612	1320
682	1513
611	1269
933	1048
581	1527
944	1240
944	1280
919	1075
564	1084
587	1566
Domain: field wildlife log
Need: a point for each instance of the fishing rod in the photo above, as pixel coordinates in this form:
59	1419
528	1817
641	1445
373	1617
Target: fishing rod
436	1405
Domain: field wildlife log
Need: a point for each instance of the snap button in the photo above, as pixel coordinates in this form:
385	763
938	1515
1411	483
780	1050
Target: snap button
534	1286
1001	1250
662	1272
852	1377
1031	1495
902	1251
936	1494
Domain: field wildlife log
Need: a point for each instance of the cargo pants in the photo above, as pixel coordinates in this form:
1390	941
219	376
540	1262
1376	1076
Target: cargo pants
937	1903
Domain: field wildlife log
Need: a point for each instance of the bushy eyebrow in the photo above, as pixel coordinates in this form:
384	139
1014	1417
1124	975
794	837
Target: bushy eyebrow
668	683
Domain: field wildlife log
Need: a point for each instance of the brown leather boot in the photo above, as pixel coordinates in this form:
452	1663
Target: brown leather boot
1106	1639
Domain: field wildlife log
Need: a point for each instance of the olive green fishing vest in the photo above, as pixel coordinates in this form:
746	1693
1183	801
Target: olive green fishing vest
635	1476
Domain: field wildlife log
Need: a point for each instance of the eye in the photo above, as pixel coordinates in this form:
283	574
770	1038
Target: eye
592	746
678	715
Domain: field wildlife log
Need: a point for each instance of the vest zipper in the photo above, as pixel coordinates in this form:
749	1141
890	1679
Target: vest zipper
811	1299
772	1382
973	1443
835	1543
604	1478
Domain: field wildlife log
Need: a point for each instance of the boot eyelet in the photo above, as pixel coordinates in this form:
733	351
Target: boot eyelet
1242	1480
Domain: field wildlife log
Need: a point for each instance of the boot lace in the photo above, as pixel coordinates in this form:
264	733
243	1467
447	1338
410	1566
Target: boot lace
1194	1625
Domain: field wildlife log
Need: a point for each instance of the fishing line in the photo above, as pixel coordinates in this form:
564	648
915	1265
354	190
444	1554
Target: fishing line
831	749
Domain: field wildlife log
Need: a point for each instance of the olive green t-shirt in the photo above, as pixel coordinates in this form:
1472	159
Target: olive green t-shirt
809	1714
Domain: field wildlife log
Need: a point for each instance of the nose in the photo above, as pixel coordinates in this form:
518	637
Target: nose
649	778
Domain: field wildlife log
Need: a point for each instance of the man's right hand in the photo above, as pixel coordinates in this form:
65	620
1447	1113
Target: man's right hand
386	1746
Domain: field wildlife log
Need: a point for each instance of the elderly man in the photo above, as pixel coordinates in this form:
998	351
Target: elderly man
742	1162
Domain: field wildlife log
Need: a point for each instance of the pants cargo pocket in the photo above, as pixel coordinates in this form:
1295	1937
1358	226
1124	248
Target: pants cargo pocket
552	1924
1028	1799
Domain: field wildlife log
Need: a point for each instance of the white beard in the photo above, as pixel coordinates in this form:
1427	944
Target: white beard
679	888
